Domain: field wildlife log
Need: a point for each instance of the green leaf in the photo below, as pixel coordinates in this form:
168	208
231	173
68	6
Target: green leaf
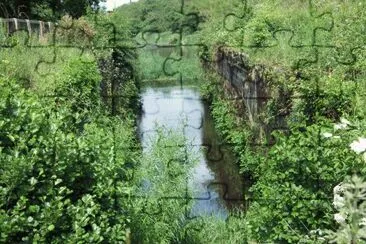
33	181
58	181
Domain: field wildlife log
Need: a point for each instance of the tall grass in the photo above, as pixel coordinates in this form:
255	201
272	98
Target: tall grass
159	214
36	66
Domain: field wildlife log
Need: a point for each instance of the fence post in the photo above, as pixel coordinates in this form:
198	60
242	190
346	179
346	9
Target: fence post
40	29
29	26
15	23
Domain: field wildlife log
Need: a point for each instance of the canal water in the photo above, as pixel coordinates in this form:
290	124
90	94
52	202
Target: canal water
215	180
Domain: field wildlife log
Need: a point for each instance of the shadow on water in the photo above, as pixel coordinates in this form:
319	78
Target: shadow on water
216	182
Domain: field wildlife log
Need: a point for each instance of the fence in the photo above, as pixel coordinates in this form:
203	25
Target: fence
31	26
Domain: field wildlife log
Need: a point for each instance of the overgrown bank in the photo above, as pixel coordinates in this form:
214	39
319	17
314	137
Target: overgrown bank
294	144
68	141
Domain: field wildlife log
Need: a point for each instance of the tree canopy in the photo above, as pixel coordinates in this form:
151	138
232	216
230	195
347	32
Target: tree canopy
47	10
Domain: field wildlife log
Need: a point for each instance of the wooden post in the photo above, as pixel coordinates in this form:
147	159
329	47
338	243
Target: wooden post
29	26
41	29
128	236
15	24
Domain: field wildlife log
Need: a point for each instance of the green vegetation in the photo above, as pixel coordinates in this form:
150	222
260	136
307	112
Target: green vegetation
313	53
71	160
66	152
159	216
46	9
167	64
54	187
316	89
160	16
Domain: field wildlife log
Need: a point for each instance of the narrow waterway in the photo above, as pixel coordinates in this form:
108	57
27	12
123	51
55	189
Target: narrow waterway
215	181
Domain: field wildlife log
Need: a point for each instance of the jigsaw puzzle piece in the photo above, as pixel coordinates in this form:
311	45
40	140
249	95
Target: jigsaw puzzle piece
217	199
267	34
152	60
183	65
147	38
150	103
230	20
194	119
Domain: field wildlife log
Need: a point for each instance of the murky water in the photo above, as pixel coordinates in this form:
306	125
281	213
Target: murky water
216	182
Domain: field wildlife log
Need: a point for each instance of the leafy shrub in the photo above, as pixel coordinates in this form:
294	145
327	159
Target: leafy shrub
74	31
79	85
60	185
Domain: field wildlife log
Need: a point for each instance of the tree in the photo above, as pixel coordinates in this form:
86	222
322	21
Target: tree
47	10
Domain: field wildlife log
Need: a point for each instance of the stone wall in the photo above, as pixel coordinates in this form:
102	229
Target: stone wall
245	82
250	87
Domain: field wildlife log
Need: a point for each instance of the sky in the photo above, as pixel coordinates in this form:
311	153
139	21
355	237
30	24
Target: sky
111	4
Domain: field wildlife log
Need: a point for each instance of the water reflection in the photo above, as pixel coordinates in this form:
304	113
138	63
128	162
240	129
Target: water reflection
215	178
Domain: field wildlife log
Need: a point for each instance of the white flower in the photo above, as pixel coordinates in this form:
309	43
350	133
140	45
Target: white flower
345	122
340	126
359	146
343	125
327	134
363	221
338	201
339	218
338	189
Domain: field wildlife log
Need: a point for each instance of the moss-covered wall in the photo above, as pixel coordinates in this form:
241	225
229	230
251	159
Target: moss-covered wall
246	81
252	87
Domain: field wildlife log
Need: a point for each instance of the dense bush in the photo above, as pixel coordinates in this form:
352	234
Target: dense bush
160	16
64	175
74	32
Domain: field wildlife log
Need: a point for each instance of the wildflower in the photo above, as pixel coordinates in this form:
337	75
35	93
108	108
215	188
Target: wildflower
340	126
338	201
359	146
327	134
338	189
345	122
363	221
339	218
343	125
